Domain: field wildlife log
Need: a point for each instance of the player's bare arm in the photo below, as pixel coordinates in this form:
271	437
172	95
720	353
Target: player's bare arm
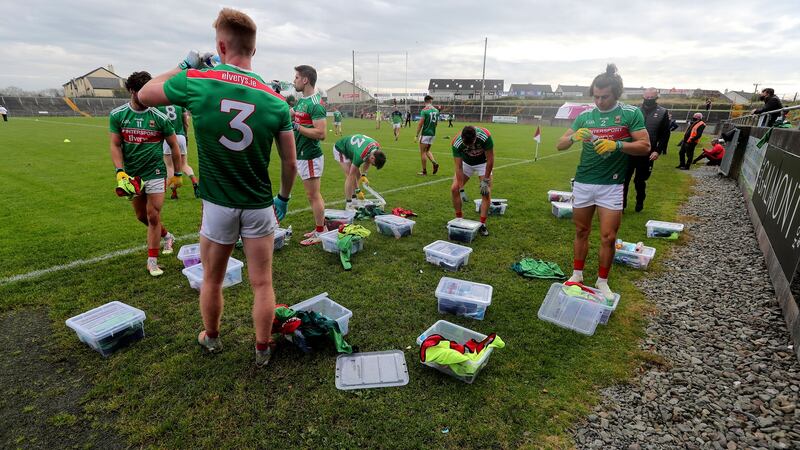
640	144
152	94
318	131
288	154
116	150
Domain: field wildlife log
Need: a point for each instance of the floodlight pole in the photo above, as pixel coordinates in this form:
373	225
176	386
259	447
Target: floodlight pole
353	97
378	85
483	76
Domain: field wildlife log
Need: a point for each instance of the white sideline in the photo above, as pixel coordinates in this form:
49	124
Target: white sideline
128	251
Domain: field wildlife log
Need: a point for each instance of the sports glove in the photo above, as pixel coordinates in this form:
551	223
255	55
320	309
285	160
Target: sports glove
463	195
581	134
485	186
121	175
602	146
360	194
363	179
176	180
280	206
296	126
129	187
194	60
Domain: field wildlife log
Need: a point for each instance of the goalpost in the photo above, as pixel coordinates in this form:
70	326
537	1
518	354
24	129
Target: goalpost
384	75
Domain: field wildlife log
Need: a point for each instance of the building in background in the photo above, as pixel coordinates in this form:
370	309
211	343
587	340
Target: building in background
530	90
571	91
740	97
100	82
464	89
344	92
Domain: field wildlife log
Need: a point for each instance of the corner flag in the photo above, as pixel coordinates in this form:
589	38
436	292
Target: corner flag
538	136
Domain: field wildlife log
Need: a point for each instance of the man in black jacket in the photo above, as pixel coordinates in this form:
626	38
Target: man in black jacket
656	120
771	103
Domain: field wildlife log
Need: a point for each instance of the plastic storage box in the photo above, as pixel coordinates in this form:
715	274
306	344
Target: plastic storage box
496	208
463	298
630	257
392	225
462	230
330	239
282	236
336	217
573	313
189	255
656	228
233	275
447	255
562	210
560	196
371	370
109	327
327	307
455	333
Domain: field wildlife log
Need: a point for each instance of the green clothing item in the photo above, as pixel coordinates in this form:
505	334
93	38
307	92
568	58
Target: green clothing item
337	117
778	124
175	115
430	117
306	111
368	212
537	268
357	148
315	327
461	363
616	125
346	239
397	117
142	134
476	154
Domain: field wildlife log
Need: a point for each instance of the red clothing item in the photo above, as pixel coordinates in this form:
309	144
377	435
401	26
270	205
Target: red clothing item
717	152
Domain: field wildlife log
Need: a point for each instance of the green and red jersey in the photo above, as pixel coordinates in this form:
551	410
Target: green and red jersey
142	133
175	115
337	117
357	148
236	118
430	117
617	125
306	111
476	154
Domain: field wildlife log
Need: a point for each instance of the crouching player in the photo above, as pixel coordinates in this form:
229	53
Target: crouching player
473	154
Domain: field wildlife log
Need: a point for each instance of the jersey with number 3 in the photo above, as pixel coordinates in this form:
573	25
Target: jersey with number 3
357	148
430	117
236	118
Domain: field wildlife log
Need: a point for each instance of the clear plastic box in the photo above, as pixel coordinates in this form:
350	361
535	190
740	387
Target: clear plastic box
573	313
462	230
392	225
282	236
657	228
323	304
109	327
447	255
331	238
189	255
455	333
560	196
496	208
463	298
336	217
630	257
233	274
562	210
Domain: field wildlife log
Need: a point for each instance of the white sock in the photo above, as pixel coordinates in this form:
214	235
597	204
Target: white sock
577	276
152	260
602	285
168	236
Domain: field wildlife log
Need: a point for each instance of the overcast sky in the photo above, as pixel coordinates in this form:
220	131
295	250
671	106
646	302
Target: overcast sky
707	44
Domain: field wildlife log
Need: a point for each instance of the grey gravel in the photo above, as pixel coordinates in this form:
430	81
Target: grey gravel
730	380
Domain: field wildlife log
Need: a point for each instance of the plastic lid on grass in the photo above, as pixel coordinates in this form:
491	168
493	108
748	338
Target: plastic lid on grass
392	219
464	223
189	251
371	370
106	320
671	226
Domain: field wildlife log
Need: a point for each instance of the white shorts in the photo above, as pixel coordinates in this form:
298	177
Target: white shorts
181	145
396	125
154	186
607	196
339	156
310	168
338	124
224	225
479	169
426	140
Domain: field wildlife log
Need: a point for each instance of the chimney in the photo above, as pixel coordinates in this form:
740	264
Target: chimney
110	68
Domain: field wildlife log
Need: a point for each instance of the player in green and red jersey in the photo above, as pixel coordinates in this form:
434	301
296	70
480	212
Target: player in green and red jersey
310	128
337	121
426	132
473	154
136	135
180	122
607	134
236	118
355	154
397	122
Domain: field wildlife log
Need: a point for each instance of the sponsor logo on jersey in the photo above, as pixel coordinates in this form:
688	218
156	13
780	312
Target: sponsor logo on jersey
617	120
613	133
140	136
152	123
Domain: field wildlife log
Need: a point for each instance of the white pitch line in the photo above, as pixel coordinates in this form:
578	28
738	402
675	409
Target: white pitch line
128	251
417	151
62	123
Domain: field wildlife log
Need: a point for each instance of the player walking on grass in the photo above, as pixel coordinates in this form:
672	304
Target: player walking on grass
136	135
310	129
337	121
179	118
426	132
236	116
397	122
473	154
355	154
607	134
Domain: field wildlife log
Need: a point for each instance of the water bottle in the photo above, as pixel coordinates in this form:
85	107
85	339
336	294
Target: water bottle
639	247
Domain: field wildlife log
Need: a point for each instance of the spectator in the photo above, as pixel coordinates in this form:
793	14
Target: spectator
656	119
673	125
694	131
714	155
771	103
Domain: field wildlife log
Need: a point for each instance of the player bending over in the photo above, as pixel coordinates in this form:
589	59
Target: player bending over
473	154
355	155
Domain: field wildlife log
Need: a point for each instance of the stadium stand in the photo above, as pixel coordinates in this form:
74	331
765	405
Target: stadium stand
56	106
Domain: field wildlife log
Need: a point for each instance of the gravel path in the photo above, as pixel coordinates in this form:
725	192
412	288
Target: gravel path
730	379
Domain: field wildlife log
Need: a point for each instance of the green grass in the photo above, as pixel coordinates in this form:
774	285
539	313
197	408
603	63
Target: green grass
58	206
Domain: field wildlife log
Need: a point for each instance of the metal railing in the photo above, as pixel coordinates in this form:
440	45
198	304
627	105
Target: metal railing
760	119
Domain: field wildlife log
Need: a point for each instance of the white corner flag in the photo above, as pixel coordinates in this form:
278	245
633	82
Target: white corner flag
538	138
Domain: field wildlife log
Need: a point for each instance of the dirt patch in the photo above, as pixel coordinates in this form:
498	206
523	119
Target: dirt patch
41	391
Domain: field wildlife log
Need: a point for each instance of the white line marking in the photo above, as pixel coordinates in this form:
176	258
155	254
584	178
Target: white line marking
128	251
61	123
417	151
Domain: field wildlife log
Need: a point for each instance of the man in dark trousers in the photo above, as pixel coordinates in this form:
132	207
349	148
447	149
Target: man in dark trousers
771	103
656	120
694	131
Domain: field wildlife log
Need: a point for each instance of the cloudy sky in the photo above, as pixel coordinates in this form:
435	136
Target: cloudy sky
709	44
